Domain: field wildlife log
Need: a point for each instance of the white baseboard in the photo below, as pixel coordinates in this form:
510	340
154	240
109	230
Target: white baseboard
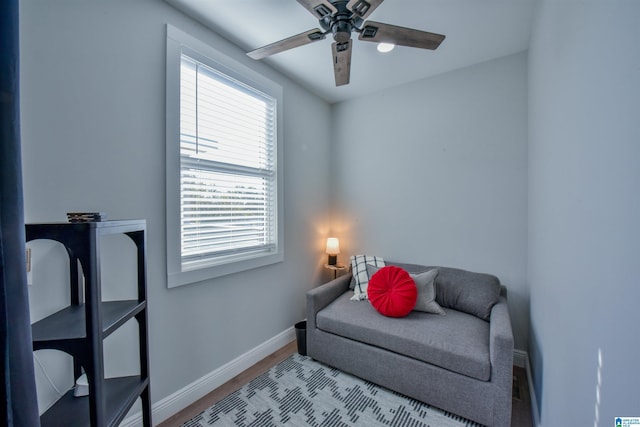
521	360
191	393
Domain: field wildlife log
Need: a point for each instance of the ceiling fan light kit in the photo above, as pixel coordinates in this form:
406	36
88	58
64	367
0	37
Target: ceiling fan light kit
385	47
341	18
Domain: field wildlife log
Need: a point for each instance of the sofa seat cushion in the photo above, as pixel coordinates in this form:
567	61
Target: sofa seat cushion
458	341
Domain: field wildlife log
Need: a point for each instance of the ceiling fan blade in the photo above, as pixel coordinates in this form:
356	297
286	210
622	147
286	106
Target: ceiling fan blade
341	62
319	8
286	44
363	8
386	33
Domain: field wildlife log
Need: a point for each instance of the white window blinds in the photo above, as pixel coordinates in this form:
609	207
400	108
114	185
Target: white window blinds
228	195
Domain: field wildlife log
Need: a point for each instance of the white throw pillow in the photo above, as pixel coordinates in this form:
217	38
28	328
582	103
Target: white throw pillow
360	279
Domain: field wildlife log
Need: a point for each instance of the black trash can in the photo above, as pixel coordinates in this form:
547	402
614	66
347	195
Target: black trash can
301	337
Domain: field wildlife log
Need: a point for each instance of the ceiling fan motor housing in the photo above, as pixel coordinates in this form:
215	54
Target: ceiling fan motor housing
342	31
342	23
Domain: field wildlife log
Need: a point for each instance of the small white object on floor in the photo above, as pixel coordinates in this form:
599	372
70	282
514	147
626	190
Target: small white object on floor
82	386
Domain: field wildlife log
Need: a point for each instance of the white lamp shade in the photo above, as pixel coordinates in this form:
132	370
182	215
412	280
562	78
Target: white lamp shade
333	246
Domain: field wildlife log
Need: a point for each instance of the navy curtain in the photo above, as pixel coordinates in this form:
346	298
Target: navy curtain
19	399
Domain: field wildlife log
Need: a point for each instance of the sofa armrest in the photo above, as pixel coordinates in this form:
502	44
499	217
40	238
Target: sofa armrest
501	337
320	297
501	356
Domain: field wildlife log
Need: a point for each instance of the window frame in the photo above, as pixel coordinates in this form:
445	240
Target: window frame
177	43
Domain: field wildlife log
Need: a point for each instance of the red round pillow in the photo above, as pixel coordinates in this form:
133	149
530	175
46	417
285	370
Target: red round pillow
392	291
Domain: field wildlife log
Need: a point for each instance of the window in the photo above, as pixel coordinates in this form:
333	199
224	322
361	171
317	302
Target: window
223	208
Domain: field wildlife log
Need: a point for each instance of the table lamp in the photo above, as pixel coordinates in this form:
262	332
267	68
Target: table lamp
333	249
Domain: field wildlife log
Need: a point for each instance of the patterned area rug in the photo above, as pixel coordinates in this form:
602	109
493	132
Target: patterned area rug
302	392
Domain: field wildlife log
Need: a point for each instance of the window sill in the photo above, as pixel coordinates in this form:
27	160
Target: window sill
187	277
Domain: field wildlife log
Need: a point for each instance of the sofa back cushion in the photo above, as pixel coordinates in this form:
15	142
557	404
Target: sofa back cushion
466	291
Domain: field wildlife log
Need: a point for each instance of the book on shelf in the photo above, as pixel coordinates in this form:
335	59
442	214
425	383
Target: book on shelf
86	216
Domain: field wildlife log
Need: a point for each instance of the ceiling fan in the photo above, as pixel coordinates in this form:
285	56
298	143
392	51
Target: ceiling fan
341	18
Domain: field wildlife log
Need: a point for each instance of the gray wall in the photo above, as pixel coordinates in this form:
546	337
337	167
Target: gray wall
93	120
584	210
435	172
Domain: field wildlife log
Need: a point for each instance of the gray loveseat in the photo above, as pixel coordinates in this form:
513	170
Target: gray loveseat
461	362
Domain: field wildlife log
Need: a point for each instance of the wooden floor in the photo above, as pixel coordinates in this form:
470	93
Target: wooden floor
520	416
521	403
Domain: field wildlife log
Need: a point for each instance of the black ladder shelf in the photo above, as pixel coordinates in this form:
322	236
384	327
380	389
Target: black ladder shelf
80	328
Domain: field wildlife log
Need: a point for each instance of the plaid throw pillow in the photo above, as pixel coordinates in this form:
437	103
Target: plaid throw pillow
360	278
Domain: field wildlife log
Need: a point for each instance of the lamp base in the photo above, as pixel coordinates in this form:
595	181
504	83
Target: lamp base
332	260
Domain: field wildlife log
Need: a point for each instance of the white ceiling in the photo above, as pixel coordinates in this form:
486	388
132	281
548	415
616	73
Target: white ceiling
476	31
